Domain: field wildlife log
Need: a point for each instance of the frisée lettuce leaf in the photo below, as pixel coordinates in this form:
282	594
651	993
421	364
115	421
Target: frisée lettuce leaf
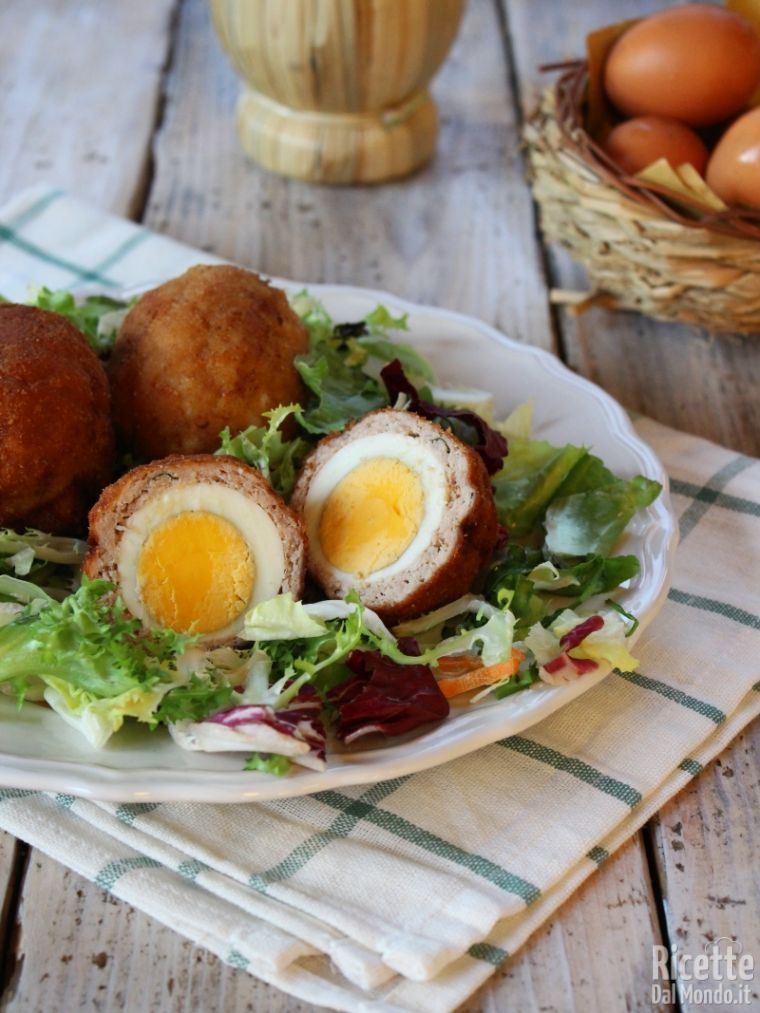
265	448
98	317
95	665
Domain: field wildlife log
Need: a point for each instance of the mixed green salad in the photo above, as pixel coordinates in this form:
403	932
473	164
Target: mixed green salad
303	670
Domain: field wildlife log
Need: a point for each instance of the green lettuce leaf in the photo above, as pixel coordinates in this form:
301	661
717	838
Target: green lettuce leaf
96	663
95	717
340	392
302	644
281	618
533	472
13	589
595	575
480	628
98	317
342	367
531	585
50	561
523	680
592	521
265	448
606	646
201	696
269	763
381	320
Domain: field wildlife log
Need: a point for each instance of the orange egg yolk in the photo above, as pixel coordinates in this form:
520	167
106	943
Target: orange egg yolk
195	573
371	516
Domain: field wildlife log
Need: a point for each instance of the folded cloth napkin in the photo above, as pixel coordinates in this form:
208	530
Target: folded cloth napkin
406	895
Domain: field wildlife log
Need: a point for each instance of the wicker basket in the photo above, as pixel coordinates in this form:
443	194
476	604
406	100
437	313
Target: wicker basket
641	251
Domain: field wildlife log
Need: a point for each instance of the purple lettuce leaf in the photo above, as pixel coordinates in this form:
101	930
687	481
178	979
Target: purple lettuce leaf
300	720
490	446
578	633
383	696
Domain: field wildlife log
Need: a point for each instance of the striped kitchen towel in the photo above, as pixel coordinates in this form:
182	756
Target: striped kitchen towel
405	895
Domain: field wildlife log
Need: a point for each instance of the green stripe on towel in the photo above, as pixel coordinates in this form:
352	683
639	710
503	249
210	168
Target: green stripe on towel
493	955
707	710
108	876
407	831
706	496
34	210
129	812
720	608
83	274
136	239
598	855
350	816
704	493
575	767
235	959
6	794
692	767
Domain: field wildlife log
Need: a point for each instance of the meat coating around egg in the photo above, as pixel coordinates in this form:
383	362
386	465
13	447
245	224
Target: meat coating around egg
56	437
210	349
399	510
193	542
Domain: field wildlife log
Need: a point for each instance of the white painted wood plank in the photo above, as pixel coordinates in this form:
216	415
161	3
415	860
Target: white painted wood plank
595	954
7	845
102	954
81	87
708	855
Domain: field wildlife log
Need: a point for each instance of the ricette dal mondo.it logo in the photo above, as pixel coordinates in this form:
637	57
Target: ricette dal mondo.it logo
722	975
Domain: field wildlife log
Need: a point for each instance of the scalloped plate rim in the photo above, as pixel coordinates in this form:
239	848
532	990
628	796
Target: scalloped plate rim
462	734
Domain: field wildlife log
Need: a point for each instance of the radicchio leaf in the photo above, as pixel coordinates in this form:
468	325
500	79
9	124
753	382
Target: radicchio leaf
383	696
300	720
579	633
491	445
565	668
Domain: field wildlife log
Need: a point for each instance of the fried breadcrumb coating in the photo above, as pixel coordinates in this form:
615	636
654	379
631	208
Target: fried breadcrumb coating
210	349
56	437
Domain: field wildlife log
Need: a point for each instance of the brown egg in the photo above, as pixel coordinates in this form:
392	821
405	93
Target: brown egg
637	143
733	171
696	63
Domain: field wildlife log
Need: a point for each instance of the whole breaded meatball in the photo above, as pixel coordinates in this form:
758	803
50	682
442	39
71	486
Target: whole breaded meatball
210	349
56	436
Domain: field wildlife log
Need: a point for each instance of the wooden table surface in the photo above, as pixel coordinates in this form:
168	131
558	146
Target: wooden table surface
130	105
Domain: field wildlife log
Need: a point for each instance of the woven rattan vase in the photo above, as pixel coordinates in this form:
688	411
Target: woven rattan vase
641	251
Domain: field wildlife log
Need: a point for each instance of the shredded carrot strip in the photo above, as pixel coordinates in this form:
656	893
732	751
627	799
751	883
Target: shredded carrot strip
483	676
459	664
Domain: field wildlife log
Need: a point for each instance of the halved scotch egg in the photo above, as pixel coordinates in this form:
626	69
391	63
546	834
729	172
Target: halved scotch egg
398	509
193	542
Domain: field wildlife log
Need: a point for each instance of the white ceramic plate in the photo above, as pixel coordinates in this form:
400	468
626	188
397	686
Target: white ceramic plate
39	751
